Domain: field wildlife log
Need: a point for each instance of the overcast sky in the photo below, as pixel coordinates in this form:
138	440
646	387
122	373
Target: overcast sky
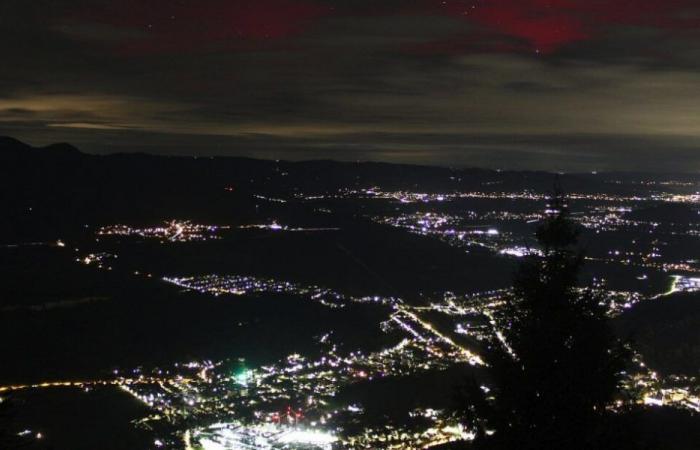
558	85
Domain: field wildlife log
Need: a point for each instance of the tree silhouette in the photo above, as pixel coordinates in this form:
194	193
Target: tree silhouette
550	388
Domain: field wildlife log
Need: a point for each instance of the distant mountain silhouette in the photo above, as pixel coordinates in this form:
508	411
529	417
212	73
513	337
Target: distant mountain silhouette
63	149
51	190
11	148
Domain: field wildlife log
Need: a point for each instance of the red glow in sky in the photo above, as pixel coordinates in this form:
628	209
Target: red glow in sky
542	26
548	25
207	24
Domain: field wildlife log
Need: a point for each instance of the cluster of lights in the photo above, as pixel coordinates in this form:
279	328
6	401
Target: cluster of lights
172	231
680	283
274	226
269	199
308	388
296	397
248	285
292	403
426	197
646	387
449	228
99	260
234	435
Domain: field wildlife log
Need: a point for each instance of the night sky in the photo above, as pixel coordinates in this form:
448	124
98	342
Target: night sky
571	85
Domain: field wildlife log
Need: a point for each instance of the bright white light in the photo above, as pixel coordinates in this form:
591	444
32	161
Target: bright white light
515	251
519	252
264	436
652	401
307	437
208	444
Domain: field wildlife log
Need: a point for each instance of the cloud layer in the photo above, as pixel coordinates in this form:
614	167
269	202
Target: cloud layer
547	84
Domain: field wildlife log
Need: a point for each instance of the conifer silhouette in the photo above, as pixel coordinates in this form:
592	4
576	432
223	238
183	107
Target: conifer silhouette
550	388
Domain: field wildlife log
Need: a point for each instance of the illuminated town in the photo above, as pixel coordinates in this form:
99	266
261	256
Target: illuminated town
298	401
173	231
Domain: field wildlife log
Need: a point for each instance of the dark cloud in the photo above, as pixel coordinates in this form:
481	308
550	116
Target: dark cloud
542	84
